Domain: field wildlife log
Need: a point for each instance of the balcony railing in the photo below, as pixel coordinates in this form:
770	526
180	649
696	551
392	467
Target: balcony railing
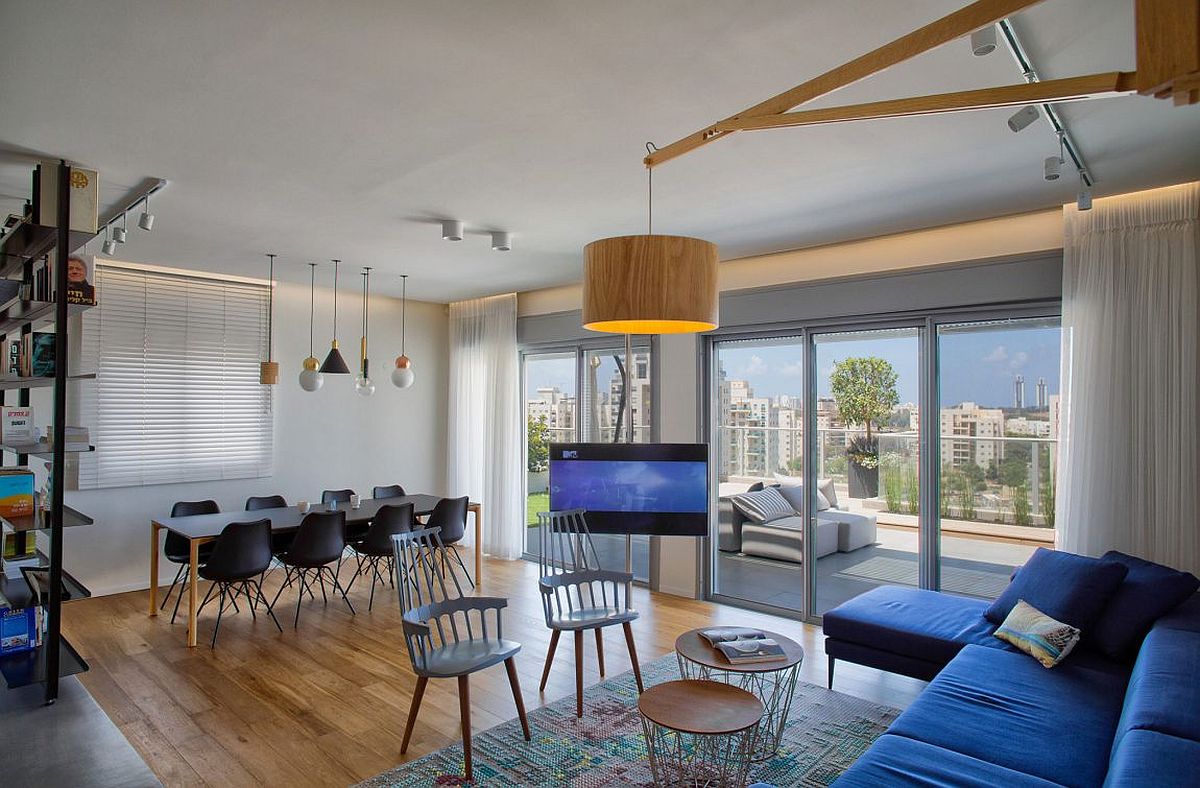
1002	479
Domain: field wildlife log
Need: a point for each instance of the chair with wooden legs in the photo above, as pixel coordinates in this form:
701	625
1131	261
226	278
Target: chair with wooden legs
447	633
578	595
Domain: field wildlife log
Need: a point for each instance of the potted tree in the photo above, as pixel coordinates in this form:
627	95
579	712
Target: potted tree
865	392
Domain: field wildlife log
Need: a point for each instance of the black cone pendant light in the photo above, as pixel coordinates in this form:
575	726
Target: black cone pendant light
334	364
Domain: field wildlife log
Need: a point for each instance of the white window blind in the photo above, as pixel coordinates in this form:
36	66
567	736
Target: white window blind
176	396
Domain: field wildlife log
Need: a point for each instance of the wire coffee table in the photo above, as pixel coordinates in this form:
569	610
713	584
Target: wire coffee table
699	733
773	683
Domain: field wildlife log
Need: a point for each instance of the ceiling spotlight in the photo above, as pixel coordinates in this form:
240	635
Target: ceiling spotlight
119	233
983	41
109	247
1023	117
452	230
146	220
1052	168
501	241
1083	201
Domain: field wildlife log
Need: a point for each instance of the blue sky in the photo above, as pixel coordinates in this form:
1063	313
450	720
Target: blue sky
978	364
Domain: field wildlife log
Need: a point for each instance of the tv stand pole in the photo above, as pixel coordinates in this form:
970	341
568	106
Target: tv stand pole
628	431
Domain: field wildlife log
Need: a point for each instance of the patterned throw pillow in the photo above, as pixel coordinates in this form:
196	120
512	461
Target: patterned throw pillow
764	505
1032	631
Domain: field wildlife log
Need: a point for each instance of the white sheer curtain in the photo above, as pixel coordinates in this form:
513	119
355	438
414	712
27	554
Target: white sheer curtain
1130	471
484	449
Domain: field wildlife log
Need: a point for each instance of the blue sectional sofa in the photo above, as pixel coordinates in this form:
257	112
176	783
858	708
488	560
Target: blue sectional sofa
992	715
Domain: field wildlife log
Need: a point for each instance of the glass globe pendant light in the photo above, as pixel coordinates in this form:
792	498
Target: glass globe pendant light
311	378
362	384
402	375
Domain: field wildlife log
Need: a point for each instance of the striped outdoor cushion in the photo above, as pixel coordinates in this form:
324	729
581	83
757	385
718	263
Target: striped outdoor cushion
763	506
1041	637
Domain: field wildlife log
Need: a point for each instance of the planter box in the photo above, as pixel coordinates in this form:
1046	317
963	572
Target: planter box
864	482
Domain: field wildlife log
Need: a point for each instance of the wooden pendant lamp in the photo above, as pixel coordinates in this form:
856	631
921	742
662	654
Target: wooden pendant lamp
268	371
650	284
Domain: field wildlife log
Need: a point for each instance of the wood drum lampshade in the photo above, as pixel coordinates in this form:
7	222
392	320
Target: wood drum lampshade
650	284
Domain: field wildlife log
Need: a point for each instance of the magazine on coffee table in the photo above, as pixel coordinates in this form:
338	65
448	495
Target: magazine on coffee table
718	635
742	652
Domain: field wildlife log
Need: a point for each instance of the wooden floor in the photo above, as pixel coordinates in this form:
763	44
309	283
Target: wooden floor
325	704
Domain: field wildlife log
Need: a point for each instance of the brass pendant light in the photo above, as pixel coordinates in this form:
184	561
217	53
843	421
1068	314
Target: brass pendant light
311	378
268	371
334	364
362	384
650	284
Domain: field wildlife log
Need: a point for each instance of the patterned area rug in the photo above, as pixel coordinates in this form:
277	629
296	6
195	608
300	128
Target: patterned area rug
826	732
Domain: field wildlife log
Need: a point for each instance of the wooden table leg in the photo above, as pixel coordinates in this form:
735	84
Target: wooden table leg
193	579
478	509
154	568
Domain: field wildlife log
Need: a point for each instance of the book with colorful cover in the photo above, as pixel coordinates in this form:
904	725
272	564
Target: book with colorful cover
20	629
16	492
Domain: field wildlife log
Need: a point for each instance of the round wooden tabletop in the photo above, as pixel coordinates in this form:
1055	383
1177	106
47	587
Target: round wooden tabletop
694	648
704	707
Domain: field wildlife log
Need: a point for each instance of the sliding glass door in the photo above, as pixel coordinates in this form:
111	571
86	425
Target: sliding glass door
867	523
998	439
579	394
927	447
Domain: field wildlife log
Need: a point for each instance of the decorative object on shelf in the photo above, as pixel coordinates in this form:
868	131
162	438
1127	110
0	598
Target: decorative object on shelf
268	371
362	384
334	364
402	375
650	284
311	378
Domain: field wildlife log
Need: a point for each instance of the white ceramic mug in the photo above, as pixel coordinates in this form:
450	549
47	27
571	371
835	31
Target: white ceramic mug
302	506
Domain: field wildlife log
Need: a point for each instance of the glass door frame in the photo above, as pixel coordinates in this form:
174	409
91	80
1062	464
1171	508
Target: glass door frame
929	407
579	348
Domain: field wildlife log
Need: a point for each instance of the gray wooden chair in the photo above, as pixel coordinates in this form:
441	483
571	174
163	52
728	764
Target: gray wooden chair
447	633
578	595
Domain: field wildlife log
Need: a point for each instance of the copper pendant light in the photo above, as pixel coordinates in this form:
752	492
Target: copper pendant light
334	364
650	284
403	375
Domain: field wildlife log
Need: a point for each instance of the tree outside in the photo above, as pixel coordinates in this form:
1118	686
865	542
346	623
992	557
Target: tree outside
865	391
537	441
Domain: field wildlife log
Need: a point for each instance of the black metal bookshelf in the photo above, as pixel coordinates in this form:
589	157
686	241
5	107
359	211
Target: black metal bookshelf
26	243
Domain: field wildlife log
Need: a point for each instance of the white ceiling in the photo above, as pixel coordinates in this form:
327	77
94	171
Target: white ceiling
317	129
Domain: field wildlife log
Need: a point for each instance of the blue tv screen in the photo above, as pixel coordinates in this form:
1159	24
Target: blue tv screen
633	488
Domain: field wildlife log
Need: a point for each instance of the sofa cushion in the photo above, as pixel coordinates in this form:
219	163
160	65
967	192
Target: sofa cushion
925	625
1035	633
1185	617
1004	708
1069	588
1153	758
1164	691
763	506
899	761
1149	591
794	494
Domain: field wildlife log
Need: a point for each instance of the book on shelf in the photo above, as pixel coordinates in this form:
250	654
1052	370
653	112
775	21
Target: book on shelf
718	635
16	424
743	652
16	492
21	629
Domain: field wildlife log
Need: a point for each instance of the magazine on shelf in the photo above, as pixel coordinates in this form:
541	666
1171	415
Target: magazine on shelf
742	652
718	635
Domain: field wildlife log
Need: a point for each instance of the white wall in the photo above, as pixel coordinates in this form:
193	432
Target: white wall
1018	236
328	439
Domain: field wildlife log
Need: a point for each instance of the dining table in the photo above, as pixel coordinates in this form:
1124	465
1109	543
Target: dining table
201	528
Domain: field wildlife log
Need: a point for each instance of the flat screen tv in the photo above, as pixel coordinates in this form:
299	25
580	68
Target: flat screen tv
633	488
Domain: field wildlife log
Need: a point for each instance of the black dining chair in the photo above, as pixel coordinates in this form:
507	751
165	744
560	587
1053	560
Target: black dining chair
319	542
388	491
280	542
239	557
376	546
354	532
177	549
449	516
341	496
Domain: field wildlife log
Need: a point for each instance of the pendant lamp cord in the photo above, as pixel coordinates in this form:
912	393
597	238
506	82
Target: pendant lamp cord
270	304
403	310
312	303
366	311
335	280
650	148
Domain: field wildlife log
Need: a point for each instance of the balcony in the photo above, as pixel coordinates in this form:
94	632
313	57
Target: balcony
996	506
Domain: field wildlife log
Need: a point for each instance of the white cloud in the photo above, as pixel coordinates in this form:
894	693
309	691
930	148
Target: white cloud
998	354
756	366
1018	360
792	370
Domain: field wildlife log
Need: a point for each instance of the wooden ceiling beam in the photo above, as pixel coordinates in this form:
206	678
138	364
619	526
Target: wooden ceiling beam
948	28
1070	89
